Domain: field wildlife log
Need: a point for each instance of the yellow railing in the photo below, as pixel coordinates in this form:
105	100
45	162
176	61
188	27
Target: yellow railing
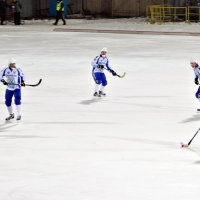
193	13
165	13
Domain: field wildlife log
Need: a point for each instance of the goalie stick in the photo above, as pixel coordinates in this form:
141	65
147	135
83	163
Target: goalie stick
188	144
31	85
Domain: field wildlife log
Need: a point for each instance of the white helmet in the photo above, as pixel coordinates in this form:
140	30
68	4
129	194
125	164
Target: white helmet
193	61
104	49
12	61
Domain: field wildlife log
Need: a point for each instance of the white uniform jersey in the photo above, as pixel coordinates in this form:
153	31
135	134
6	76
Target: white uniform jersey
13	76
100	61
197	71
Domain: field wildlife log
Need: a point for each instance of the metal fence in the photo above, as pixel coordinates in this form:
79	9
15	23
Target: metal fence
165	13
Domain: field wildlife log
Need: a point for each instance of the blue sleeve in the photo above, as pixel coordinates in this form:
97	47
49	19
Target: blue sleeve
21	74
2	74
108	66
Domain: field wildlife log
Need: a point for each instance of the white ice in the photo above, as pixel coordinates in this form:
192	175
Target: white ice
72	146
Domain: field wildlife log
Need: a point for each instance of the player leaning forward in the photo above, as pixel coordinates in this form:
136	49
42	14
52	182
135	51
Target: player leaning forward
14	80
100	63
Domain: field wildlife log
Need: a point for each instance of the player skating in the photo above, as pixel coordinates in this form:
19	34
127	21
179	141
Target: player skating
99	64
196	68
14	80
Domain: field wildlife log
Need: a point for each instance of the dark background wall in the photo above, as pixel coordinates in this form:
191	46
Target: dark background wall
104	8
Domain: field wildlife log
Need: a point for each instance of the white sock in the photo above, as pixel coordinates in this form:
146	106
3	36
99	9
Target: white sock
10	110
97	88
102	88
18	108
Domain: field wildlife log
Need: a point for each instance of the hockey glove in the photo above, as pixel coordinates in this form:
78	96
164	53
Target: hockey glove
23	84
114	73
4	82
196	81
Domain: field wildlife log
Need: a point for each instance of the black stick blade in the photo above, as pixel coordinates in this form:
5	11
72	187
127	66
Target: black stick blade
122	76
34	85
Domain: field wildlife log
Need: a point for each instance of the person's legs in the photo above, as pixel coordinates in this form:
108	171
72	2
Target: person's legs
3	19
104	83
8	97
58	16
98	81
19	18
63	18
198	94
15	18
17	95
1	16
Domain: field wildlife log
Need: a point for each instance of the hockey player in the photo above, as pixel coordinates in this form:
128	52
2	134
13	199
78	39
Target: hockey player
99	64
196	68
14	80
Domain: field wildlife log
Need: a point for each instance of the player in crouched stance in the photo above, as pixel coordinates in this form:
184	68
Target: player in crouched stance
100	63
14	80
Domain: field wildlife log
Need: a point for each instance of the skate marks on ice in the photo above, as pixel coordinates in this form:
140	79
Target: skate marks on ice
100	99
6	126
194	118
196	152
145	141
20	136
71	123
145	97
91	101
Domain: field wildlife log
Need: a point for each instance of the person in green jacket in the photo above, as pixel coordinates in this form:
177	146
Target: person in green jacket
60	10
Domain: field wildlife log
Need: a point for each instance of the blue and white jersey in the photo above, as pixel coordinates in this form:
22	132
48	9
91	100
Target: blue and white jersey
100	61
13	76
197	71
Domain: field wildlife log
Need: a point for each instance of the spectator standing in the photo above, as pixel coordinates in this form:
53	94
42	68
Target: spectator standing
3	11
17	7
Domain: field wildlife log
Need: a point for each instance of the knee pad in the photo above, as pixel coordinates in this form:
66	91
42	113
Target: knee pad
197	95
104	83
98	82
17	97
17	102
8	102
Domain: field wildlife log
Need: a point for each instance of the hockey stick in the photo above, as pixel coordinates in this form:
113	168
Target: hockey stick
122	76
31	85
188	144
34	85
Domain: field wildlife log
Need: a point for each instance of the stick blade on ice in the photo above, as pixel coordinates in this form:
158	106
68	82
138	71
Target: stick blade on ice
184	145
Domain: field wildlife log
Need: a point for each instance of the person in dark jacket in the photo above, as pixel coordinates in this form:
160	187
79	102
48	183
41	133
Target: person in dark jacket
60	12
3	9
17	7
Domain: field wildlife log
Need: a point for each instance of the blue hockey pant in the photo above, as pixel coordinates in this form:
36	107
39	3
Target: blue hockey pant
9	95
100	78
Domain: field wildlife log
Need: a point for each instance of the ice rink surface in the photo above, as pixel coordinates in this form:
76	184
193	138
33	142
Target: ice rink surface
72	146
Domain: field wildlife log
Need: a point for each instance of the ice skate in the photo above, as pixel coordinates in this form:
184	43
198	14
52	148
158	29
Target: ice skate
10	117
96	94
102	93
18	117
